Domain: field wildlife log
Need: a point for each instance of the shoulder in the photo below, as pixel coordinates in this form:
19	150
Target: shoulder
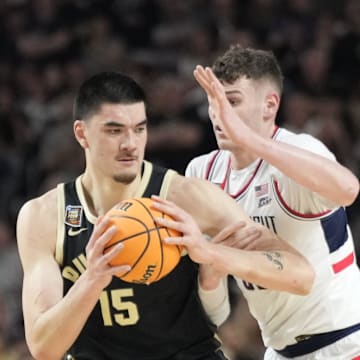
41	205
304	141
199	165
37	218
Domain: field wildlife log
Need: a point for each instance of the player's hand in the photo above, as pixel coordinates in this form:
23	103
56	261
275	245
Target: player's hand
240	235
98	267
221	112
198	247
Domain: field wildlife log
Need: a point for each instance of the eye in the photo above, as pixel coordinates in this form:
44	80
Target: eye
234	102
140	129
113	131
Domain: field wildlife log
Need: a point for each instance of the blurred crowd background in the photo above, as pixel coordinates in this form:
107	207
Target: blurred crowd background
48	47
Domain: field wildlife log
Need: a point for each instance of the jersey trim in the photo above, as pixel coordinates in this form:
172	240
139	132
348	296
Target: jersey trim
316	342
60	231
294	212
80	192
166	183
145	178
344	263
210	165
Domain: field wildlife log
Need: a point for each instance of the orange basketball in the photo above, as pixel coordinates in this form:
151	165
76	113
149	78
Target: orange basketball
149	257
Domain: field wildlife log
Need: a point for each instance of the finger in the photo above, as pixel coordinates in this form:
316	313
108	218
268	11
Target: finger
119	270
176	240
203	80
211	77
247	239
101	225
175	225
219	98
228	231
170	209
103	239
113	251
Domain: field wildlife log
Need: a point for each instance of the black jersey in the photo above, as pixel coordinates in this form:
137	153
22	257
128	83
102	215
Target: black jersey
164	320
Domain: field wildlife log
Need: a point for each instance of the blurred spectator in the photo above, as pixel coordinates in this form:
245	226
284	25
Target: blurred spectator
49	46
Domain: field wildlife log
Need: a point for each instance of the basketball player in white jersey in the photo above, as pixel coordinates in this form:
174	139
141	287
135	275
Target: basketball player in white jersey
292	184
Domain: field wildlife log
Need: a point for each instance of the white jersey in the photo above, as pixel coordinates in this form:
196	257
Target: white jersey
310	224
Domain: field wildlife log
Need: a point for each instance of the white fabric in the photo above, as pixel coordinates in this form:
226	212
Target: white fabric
216	302
348	347
309	223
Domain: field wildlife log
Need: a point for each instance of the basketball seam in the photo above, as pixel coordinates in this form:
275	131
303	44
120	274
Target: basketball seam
158	234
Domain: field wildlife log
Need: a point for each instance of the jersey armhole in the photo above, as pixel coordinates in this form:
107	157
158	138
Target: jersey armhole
166	183
296	213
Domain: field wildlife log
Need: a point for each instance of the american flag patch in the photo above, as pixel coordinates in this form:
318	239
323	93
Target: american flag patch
261	190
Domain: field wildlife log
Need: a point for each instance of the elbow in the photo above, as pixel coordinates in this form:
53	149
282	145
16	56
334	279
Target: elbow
39	352
303	284
352	192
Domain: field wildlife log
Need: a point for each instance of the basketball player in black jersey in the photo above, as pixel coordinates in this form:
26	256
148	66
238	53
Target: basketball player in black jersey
73	306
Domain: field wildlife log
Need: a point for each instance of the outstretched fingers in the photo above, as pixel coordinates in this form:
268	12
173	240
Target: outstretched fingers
202	77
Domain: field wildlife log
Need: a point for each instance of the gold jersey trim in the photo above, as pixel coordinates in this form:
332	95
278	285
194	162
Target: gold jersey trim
166	183
148	167
60	230
80	192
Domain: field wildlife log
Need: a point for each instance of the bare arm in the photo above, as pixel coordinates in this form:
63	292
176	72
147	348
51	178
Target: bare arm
327	178
270	263
53	322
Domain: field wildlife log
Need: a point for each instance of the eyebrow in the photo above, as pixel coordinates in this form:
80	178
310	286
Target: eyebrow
117	124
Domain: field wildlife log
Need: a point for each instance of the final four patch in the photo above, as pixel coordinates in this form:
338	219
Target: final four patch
73	215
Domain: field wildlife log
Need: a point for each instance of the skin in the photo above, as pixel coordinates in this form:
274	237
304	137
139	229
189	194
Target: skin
243	117
225	259
113	140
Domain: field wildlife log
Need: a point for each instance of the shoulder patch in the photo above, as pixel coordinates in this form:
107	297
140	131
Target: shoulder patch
73	215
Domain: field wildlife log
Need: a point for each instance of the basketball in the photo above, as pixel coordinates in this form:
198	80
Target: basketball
144	250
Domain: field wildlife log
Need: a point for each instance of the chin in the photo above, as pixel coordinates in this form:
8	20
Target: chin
125	178
224	144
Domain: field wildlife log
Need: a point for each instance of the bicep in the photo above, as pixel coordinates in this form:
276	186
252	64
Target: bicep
36	237
42	288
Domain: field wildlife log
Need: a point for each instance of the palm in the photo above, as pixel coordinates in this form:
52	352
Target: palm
221	109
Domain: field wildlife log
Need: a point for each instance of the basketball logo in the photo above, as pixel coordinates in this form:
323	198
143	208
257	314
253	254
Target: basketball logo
144	250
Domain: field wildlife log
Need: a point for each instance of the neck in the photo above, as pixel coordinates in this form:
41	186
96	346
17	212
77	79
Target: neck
102	194
241	158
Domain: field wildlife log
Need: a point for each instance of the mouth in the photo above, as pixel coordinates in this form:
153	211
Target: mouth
126	159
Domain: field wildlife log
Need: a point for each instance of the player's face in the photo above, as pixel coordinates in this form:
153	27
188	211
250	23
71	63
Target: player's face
248	98
115	140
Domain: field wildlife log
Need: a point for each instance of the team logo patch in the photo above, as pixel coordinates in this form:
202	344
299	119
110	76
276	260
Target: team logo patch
73	215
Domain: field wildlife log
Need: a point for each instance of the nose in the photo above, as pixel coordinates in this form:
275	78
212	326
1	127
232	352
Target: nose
128	141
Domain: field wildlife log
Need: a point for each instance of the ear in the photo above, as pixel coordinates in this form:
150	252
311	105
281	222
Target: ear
80	133
271	105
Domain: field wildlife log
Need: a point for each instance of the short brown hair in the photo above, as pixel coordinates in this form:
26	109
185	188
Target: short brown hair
252	63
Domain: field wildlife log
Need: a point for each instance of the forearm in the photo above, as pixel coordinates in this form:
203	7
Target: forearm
277	269
56	329
326	177
213	292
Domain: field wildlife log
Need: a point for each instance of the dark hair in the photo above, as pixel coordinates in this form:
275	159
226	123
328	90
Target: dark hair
105	87
252	63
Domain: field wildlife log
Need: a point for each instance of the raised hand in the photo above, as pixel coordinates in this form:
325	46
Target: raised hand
221	112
